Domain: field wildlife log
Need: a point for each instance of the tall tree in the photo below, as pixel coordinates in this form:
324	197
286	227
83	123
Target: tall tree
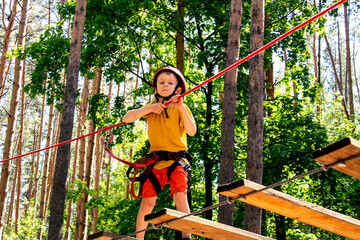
82	142
254	164
227	156
337	79
5	173
180	46
82	217
82	160
45	175
57	200
348	62
20	147
270	91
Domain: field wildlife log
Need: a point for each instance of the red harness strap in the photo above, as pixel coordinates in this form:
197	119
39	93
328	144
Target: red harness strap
137	165
107	149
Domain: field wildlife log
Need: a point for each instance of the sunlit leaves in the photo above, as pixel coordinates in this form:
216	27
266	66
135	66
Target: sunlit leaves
52	56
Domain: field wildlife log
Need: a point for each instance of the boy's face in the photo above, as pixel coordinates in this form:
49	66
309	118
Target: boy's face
166	83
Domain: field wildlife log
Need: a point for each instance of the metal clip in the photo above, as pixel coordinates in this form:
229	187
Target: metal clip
156	226
324	167
242	198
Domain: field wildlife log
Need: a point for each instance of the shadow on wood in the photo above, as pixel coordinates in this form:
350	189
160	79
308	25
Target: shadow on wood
340	151
199	226
292	207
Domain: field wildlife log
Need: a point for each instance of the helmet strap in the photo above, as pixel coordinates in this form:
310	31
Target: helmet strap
158	96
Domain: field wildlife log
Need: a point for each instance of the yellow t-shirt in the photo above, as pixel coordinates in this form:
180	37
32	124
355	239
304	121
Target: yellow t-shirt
167	134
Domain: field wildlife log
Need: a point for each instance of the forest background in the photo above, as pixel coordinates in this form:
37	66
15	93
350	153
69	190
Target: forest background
312	99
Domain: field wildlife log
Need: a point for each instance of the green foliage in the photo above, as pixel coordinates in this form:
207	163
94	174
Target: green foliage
98	110
291	136
51	56
28	226
77	190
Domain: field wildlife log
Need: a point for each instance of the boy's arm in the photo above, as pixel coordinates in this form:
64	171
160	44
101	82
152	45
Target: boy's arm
189	123
135	114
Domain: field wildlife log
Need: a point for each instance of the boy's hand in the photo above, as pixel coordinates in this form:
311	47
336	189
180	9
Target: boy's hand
177	101
157	108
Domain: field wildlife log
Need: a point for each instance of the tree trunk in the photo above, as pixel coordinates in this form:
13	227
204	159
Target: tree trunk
57	200
109	156
270	88
280	227
12	199
31	178
208	162
5	173
81	118
98	163
56	133
180	48
317	65
82	123
81	221
7	38
227	155
337	78
19	162
355	78
46	164
348	63
340	57
73	177
254	164
314	54
34	193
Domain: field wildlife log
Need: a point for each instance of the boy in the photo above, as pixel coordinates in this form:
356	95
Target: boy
167	129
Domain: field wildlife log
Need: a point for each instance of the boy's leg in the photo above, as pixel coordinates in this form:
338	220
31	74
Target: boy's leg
182	205
147	205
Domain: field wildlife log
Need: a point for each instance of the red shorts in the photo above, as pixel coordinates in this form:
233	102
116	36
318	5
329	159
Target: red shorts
178	182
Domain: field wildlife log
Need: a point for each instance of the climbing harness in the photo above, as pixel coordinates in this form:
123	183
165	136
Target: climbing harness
107	149
150	160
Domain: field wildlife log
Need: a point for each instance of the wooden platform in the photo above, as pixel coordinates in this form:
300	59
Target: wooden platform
199	226
294	208
339	151
107	236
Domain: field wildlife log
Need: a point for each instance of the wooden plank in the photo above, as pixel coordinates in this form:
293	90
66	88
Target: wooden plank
338	151
292	207
199	226
107	236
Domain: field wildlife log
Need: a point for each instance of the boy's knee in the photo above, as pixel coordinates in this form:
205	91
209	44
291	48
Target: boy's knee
147	204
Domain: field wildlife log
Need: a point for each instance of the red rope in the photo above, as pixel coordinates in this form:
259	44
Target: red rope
253	54
62	143
205	82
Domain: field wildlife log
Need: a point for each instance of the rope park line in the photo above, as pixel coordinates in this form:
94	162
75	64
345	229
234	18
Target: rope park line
251	55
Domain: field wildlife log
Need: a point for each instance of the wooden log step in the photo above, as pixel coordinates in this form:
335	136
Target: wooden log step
107	236
292	207
199	226
339	151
